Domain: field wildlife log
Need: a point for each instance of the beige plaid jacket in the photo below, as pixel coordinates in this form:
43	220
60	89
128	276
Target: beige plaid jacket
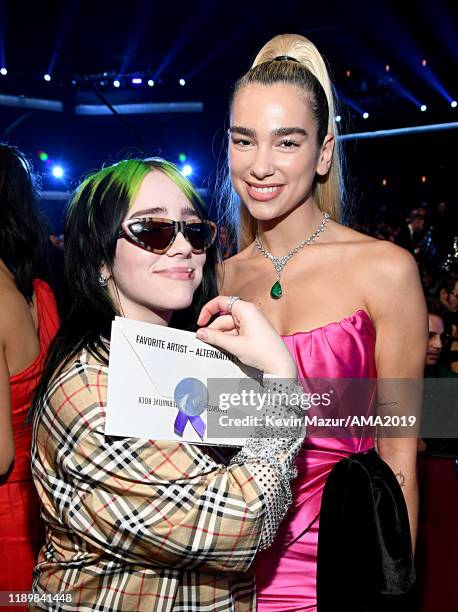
137	525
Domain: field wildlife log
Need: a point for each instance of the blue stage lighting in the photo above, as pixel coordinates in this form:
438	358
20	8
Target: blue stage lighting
417	129
47	77
186	170
151	83
453	103
423	108
182	82
338	118
366	115
122	109
58	171
116	83
137	81
3	71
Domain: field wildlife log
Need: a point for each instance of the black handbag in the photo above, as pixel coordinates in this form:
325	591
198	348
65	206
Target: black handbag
365	561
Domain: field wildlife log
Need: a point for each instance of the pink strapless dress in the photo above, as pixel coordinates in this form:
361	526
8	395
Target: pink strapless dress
286	572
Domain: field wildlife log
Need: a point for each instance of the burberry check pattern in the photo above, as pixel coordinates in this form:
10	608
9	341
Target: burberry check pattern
137	525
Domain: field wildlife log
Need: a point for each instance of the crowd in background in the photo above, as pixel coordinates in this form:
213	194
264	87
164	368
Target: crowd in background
431	235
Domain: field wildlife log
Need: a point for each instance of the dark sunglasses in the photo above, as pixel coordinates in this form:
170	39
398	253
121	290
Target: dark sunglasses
157	235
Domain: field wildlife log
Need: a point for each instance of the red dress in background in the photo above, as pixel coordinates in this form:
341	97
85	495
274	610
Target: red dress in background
21	532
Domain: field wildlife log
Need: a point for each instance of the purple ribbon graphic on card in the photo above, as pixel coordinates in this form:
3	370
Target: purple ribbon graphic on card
191	397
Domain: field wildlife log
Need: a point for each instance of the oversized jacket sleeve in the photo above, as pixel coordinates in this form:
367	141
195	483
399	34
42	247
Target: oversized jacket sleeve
151	502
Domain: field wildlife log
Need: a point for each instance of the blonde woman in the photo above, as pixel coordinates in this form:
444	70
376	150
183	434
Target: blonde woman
347	305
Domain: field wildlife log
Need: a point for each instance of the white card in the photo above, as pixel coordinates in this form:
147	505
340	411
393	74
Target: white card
151	368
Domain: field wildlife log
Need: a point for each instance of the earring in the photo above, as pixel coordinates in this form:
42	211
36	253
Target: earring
103	280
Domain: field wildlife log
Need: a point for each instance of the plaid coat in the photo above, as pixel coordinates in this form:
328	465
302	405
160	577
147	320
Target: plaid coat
136	525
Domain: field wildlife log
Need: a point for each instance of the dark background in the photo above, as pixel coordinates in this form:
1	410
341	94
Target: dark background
86	45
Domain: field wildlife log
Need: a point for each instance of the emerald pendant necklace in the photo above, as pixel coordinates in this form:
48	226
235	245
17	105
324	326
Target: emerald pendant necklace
280	262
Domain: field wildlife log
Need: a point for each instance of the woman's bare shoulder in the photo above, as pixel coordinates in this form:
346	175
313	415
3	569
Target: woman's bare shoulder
386	258
390	278
379	268
13	308
372	253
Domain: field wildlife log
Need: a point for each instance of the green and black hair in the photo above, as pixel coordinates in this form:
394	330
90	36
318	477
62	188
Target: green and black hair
94	216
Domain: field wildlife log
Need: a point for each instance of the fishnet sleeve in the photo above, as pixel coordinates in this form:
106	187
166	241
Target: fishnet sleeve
271	461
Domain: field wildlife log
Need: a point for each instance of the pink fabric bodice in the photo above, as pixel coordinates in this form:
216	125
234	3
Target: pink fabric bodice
286	572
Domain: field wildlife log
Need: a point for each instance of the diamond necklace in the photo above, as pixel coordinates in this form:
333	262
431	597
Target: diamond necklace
280	262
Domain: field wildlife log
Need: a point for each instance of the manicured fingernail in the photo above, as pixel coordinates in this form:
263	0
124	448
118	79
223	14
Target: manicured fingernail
201	334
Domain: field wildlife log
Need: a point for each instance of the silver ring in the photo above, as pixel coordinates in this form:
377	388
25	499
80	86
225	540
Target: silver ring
231	302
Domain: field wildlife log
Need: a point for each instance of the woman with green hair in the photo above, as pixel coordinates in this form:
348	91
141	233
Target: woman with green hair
147	524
